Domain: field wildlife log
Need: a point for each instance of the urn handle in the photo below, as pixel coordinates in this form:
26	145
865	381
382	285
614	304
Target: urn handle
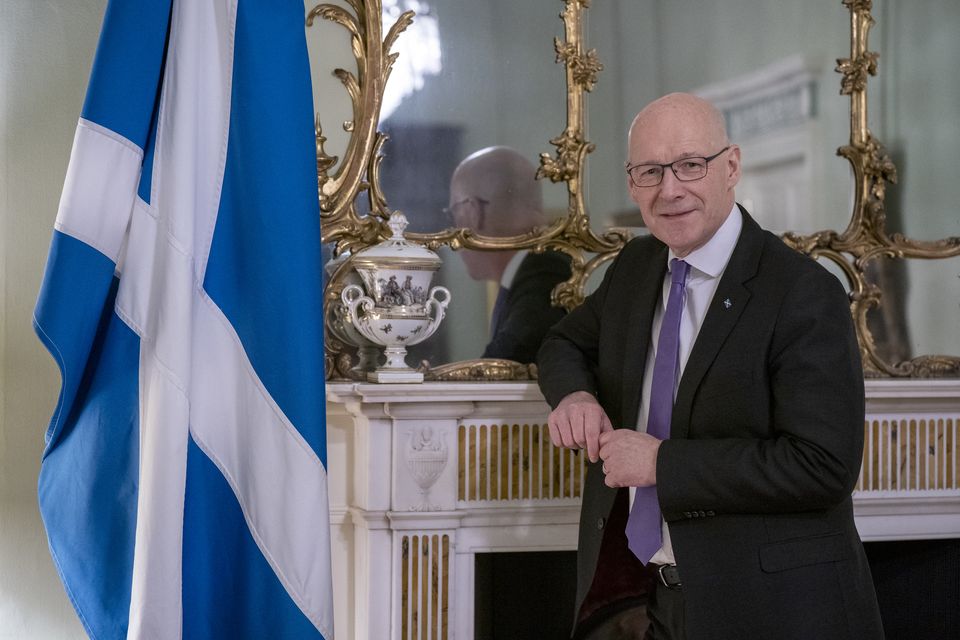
353	297
437	303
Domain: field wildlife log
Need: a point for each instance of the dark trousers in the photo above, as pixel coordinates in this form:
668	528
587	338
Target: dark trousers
660	619
665	610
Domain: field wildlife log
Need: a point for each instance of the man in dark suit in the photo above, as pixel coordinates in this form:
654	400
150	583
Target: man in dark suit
735	520
495	192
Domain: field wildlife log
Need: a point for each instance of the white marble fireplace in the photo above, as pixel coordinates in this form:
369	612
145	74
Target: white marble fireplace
425	476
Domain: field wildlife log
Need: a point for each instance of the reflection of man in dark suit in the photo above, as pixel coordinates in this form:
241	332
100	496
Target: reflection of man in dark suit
495	192
740	354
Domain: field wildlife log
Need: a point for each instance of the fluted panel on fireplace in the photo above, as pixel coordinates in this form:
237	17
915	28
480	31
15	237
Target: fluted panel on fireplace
909	454
425	587
515	462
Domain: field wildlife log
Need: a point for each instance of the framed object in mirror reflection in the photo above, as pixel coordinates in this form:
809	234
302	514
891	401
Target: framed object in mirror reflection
358	181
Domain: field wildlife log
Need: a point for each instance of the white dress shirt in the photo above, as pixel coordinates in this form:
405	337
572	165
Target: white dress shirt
510	271
707	264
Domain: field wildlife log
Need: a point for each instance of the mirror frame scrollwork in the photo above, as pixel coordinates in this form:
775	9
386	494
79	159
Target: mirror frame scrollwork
865	238
358	172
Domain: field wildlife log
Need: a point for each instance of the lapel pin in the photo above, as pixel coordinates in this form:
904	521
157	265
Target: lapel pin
727	303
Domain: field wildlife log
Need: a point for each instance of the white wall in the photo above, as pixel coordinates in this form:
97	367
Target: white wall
46	49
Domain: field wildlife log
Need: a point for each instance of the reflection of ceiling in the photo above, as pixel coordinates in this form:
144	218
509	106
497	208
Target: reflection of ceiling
766	99
419	52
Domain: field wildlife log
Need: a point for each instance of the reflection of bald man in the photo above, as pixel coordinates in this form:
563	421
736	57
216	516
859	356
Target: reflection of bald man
495	193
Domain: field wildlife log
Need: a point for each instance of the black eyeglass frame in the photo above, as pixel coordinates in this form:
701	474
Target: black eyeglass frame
481	204
670	165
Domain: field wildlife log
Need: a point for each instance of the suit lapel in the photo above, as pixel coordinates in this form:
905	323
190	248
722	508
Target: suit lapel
638	327
725	310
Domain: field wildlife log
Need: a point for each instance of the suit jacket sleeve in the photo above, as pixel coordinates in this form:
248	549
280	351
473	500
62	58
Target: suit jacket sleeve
567	359
805	453
529	314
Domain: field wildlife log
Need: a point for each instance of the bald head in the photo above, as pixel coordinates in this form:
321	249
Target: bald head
507	182
682	211
685	117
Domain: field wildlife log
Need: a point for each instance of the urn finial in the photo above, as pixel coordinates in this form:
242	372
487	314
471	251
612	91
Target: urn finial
397	223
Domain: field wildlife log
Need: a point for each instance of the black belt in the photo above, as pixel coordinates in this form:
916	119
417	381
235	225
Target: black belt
669	576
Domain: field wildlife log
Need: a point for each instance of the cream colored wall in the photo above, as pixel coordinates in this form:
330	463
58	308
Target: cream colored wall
46	50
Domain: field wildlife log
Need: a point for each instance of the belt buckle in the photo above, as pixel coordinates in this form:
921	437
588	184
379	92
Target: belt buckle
663	578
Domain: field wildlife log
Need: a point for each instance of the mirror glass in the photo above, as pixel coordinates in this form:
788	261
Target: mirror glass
328	45
477	76
768	64
920	309
914	109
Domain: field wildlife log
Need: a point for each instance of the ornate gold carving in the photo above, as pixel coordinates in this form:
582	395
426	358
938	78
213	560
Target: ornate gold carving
866	238
584	66
855	72
337	361
858	5
480	369
341	223
571	148
324	162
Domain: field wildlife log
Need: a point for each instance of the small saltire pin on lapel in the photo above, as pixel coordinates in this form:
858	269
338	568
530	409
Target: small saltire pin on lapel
727	303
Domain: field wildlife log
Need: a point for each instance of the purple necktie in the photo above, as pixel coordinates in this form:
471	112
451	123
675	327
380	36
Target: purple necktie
643	525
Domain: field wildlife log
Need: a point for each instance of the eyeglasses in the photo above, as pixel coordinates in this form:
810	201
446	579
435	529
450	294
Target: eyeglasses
685	169
456	211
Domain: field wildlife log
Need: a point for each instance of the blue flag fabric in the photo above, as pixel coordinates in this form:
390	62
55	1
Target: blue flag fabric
183	485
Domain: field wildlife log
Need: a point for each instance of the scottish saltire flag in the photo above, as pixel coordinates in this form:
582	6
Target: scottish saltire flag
183	485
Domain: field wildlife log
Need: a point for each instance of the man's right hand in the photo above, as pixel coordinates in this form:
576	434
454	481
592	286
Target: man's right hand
577	423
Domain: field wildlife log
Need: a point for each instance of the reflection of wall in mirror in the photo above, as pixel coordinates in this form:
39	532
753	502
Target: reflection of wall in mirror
652	47
328	47
415	172
771	113
499	82
498	85
915	112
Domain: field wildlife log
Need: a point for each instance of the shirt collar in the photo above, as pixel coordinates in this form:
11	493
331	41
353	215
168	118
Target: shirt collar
510	271
711	259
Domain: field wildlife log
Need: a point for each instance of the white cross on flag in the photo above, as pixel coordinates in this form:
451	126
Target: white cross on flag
183	485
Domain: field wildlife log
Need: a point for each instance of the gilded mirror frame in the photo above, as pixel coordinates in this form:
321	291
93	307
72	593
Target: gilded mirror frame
864	240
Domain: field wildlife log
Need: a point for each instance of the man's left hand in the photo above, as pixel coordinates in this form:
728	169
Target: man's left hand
629	458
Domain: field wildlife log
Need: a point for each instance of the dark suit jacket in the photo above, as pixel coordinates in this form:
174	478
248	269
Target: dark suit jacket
528	314
765	447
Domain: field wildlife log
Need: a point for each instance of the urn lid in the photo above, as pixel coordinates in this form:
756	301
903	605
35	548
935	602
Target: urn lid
396	252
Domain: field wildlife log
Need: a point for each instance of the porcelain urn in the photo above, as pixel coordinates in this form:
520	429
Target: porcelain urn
394	306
